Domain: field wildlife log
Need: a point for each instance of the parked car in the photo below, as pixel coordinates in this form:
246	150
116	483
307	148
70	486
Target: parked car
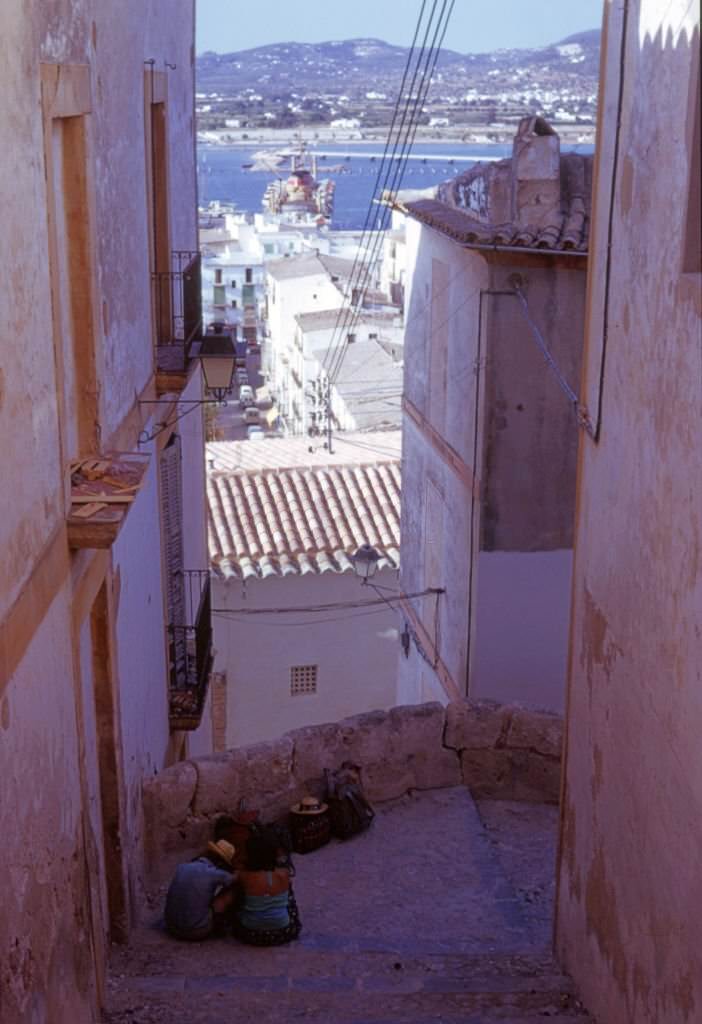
251	414
255	434
246	395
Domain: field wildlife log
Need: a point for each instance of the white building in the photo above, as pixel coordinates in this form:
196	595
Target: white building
297	641
302	284
490	435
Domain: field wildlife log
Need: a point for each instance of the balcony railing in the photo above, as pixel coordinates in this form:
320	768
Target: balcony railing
177	299
190	652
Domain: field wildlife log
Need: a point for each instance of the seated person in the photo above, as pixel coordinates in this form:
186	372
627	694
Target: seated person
202	893
267	914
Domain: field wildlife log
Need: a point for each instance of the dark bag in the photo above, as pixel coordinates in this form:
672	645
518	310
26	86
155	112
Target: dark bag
349	810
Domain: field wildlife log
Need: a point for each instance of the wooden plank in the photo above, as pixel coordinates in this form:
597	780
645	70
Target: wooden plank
113	499
88	510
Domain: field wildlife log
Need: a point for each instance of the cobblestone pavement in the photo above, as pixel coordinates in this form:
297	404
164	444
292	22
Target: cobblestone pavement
440	913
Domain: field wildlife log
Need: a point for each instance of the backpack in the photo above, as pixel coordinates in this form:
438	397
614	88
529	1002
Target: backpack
349	810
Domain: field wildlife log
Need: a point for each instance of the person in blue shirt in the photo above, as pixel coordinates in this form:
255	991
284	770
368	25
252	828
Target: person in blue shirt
202	894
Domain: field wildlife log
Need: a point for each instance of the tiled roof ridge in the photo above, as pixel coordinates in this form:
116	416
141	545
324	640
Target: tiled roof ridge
301	520
567	230
275	470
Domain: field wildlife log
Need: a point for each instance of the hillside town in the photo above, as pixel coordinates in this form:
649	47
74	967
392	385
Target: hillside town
349	627
325	88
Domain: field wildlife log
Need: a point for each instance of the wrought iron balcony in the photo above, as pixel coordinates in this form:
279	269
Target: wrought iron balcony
177	304
190	650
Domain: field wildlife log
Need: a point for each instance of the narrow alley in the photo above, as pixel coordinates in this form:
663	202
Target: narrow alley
441	912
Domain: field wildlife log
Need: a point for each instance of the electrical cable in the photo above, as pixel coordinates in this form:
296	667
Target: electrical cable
348	311
370	210
325	607
432	58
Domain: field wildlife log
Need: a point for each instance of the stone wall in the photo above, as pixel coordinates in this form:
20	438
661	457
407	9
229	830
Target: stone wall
503	752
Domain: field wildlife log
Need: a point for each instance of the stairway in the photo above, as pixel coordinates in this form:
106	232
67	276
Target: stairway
441	913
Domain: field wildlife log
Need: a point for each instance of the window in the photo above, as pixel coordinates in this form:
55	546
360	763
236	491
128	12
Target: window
303	679
249	275
218	275
233	303
233	283
350	338
71	253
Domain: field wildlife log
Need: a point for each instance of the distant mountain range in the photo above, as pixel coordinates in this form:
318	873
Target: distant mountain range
356	63
298	83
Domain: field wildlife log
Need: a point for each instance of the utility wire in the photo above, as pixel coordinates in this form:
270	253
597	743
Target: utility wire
427	73
348	312
364	244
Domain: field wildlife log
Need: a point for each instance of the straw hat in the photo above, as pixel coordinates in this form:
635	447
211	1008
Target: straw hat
309	805
223	849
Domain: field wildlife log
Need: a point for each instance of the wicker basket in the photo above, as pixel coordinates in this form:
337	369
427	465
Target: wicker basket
309	831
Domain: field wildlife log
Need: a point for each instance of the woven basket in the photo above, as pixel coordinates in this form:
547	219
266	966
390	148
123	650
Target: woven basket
309	831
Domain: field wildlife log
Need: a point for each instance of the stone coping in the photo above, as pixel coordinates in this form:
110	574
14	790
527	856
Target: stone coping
499	751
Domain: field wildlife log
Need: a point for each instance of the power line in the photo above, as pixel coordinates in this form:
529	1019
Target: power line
427	73
348	313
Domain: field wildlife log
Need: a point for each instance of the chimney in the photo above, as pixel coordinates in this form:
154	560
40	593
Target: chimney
536	173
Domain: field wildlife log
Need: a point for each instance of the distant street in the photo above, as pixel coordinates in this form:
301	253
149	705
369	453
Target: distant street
230	419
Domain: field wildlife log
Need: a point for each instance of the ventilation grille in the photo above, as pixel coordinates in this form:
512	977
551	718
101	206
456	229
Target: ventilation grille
303	679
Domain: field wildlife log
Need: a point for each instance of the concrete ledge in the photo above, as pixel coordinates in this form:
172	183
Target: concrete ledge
502	752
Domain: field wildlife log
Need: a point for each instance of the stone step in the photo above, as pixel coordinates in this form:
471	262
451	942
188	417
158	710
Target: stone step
367	989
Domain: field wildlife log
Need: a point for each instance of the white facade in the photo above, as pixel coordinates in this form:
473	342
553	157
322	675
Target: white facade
489	444
350	662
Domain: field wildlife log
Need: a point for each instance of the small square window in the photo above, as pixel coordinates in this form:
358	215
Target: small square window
303	679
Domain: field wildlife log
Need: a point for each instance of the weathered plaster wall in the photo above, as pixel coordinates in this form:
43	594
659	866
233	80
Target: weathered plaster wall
499	751
531	432
25	309
46	961
53	926
628	921
142	663
257	652
421	463
522	617
162	30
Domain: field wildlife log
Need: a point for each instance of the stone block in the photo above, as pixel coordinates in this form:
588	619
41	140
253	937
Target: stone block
488	774
476	724
259	774
539	731
536	779
317	747
400	750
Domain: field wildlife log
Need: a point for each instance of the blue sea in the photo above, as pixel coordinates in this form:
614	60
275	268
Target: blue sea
221	175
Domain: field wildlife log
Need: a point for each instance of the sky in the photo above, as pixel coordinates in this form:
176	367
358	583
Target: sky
227	25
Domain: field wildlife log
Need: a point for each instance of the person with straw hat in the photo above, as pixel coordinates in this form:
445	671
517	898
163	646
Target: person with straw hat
202	894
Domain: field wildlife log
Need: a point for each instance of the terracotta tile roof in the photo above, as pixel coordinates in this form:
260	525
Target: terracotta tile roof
567	232
299	521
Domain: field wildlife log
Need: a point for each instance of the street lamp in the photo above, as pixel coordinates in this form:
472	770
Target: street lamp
217	357
218	362
365	562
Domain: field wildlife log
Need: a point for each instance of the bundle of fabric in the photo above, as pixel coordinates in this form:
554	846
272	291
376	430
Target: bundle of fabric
349	809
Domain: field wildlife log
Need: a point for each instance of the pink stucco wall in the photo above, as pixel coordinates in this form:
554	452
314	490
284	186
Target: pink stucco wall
630	888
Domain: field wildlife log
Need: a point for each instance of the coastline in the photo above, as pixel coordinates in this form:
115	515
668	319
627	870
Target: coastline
236	138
